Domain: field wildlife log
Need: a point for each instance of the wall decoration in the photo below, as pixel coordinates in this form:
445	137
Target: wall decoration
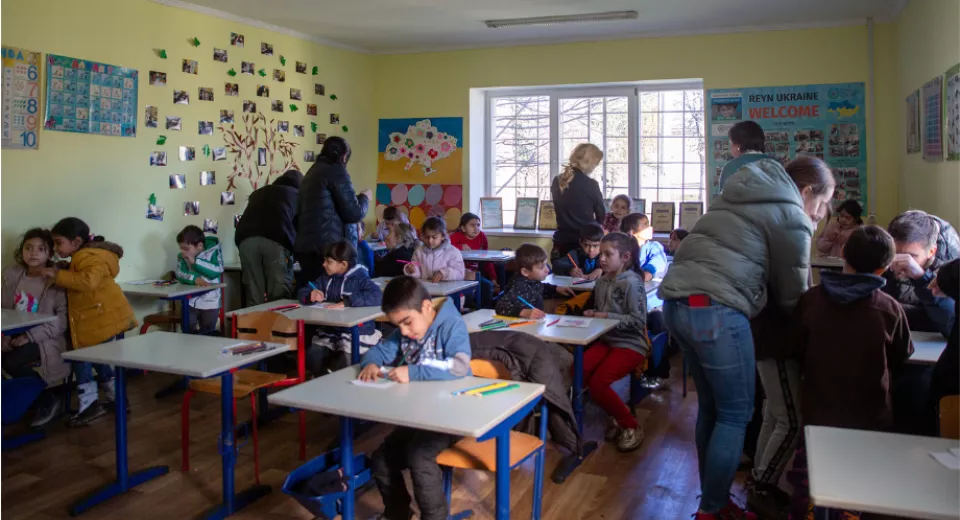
227	198
210	226
548	216
244	145
220	153
231	89
419	201
333	97
308	156
913	122
206	149
283	126
236	221
195	42
932	128
236	39
263	90
315	71
173	123
181	97
206	94
266	49
313	126
283	61
262	73
298	130
21	98
158	158
150	119
226	117
662	216
295	94
220	55
208	178
491	212
301	67
178	181
158	79
188	153
190	66
155	212
279	75
162	53
311	109
953	113
525	216
249	107
294	108
824	121
319	89
161	140
690	213
247	67
90	97
344	128
205	127
232	72
334	119
321	138
433	144
276	106
191	207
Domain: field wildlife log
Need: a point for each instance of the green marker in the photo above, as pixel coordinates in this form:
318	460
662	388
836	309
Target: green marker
493	326
497	390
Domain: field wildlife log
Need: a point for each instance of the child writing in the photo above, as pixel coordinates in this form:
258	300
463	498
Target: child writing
401	245
25	290
391	217
97	309
583	262
676	236
619	295
428	345
619	208
200	263
469	237
526	290
838	231
345	284
652	259
435	260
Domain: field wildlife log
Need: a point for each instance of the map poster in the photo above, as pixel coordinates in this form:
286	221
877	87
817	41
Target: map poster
823	121
21	98
90	97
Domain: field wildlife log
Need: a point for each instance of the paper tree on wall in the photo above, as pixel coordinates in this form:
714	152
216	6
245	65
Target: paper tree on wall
423	144
243	146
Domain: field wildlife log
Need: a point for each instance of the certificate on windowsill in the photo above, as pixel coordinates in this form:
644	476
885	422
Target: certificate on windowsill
662	215
526	215
690	213
548	216
491	212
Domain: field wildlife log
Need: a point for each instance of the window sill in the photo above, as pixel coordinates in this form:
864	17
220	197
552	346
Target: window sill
519	233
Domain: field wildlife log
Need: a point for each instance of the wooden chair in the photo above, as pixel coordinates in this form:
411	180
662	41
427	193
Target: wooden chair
950	417
166	320
256	326
470	454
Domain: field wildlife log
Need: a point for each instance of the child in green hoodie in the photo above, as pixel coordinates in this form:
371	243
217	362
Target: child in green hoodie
200	263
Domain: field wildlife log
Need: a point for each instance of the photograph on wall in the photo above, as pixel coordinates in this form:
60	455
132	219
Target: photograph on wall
220	153
190	66
319	89
311	109
188	153
261	156
932	129
205	127
220	55
283	126
226	116
181	97
236	39
210	226
321	138
227	198
21	98
173	123
206	94
231	89
158	158
150	119
301	67
279	75
298	130
263	90
726	107
334	119
308	156
90	97
295	94
266	49
913	122
953	113
208	177
178	181
249	107
247	67
158	79
155	212
191	207
276	106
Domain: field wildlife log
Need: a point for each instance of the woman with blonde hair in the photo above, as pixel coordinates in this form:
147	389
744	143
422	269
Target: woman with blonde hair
577	198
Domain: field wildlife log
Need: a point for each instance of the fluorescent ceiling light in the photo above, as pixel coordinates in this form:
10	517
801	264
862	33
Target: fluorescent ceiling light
554	20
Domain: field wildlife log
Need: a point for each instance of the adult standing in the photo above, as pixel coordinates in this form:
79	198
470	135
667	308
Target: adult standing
756	236
265	237
328	209
576	198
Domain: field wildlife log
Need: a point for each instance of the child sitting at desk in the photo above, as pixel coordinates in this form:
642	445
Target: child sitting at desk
619	208
619	295
526	290
400	245
676	236
652	259
428	345
391	217
436	260
838	231
469	237
583	262
200	263
346	284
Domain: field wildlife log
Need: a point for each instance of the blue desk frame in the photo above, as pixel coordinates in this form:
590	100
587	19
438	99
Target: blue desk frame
16	441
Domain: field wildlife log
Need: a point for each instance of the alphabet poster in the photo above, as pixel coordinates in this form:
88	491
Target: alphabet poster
824	121
21	98
90	97
931	98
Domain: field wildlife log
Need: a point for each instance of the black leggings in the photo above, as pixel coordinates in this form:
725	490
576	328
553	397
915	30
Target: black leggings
19	362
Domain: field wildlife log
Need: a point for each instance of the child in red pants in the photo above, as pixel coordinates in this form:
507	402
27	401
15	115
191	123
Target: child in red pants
619	295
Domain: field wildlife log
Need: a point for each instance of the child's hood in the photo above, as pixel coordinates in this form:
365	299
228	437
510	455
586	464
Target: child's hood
105	246
358	270
847	288
106	252
446	313
443	246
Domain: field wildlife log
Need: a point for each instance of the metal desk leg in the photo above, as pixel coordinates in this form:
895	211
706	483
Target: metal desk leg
355	345
503	475
125	480
479	301
571	462
346	464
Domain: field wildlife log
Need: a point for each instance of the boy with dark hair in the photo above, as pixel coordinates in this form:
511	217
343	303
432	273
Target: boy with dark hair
583	262
924	243
429	344
746	145
200	263
527	287
652	259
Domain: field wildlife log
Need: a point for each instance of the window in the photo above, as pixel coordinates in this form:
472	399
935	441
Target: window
652	137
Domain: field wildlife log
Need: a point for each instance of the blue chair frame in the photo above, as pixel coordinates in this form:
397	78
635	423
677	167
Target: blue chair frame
658	348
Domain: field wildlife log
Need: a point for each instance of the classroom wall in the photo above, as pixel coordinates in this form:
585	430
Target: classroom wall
106	180
927	44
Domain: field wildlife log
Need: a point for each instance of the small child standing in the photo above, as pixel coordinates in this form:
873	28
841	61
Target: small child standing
619	295
200	263
428	345
346	284
469	237
97	308
619	208
838	231
652	259
400	245
583	262
526	288
436	260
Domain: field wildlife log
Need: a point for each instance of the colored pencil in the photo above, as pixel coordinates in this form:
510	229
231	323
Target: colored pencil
314	287
495	326
572	261
525	302
492	386
521	323
554	322
406	262
497	390
490	322
465	390
285	307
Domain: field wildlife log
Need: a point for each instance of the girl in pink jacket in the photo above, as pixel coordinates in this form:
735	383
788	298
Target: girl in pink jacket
436	259
835	236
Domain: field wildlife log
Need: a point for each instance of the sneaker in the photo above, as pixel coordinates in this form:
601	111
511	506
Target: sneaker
47	412
652	383
87	415
630	439
768	502
613	430
732	511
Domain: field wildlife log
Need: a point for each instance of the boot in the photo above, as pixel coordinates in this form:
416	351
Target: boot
90	408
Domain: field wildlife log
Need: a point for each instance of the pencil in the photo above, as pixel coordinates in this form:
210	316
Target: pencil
525	302
491	386
497	390
572	261
554	322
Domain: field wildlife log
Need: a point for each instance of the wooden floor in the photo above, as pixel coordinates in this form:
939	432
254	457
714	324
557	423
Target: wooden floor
659	481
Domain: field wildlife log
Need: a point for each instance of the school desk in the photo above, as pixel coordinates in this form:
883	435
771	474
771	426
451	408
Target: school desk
494	256
456	288
424	405
650	288
17	322
927	347
883	473
826	262
188	355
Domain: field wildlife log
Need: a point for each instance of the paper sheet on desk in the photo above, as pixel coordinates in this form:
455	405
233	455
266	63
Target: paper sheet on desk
580	323
145	282
326	305
379	383
947	458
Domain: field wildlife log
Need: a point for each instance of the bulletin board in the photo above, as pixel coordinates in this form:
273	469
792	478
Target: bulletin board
90	97
21	98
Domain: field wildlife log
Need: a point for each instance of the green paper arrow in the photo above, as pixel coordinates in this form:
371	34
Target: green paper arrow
206	150
161	139
344	128
262	73
316	70
283	61
162	54
313	126
195	42
153	199
231	72
333	97
293	108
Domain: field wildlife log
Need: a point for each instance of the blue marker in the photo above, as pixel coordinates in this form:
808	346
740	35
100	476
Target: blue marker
525	302
314	287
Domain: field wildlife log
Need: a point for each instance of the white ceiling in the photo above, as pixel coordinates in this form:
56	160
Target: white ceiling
401	26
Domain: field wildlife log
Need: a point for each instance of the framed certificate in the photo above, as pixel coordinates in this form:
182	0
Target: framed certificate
491	212
548	216
526	215
661	216
690	213
638	206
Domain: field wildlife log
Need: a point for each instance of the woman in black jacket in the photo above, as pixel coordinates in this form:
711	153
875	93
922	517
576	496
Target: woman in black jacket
327	208
577	198
265	237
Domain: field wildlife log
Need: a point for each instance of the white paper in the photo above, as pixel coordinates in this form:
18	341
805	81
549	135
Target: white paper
145	282
580	323
380	383
947	459
325	305
956	452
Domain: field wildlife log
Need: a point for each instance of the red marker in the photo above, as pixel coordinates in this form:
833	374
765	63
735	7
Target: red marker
554	322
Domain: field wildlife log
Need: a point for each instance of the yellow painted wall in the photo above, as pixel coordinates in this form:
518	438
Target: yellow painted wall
928	43
106	180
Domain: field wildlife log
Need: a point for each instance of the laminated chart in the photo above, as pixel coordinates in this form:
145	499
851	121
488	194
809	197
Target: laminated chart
90	97
21	98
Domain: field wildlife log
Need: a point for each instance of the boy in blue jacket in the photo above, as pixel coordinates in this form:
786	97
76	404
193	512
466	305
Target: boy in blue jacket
429	344
652	258
585	261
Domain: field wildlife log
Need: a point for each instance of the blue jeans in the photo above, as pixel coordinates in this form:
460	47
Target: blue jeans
84	372
718	348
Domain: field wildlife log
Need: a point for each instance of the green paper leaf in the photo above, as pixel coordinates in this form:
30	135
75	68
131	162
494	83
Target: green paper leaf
153	199
206	150
316	70
333	97
283	61
231	72
262	73
313	126
161	139
163	54
195	42
344	128
293	108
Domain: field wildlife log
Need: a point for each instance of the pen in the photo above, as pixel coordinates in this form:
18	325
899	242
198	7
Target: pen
525	302
285	307
497	390
314	287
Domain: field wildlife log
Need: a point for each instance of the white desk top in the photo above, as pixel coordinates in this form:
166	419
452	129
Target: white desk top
172	353
11	319
567	281
487	255
435	289
555	334
826	262
166	291
425	405
927	347
881	473
237	267
345	317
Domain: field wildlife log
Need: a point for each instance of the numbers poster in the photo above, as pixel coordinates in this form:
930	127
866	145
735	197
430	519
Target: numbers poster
823	121
21	98
90	97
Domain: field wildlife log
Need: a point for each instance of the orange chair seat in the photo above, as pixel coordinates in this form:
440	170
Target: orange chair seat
244	382
471	454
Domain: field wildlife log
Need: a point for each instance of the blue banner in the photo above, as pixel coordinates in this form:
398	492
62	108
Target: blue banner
824	121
